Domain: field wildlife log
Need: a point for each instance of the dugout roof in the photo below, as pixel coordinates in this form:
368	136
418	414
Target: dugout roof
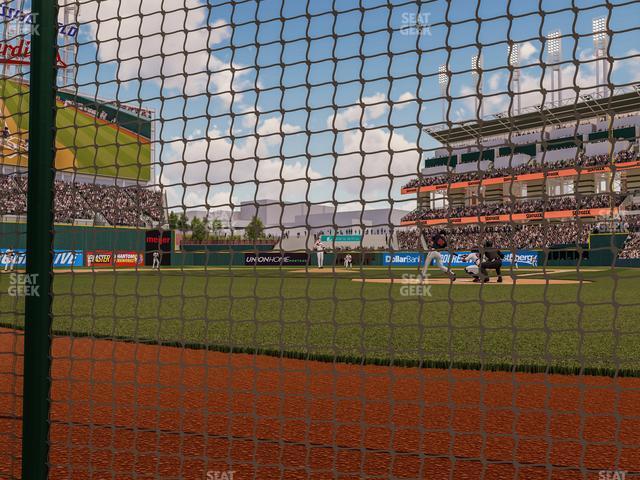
618	104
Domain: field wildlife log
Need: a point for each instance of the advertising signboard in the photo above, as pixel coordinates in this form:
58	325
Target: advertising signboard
275	259
61	258
118	259
527	258
158	241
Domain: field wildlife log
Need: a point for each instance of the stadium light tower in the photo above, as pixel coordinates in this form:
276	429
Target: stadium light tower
69	12
554	50
514	61
600	44
443	80
476	66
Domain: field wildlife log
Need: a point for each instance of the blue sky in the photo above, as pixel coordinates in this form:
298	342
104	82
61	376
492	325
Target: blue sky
217	147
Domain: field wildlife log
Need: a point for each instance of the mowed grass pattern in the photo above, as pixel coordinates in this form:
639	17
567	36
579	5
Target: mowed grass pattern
589	325
16	100
103	149
99	149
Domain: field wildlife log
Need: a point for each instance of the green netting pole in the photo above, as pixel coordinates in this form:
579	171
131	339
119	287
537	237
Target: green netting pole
38	313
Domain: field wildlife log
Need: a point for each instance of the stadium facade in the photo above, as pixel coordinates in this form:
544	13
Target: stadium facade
105	148
105	172
534	166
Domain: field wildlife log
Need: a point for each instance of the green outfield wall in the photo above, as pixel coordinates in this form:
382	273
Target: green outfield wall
71	237
217	247
600	251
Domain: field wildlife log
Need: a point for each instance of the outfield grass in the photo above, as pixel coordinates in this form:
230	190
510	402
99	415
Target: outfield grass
16	98
102	149
99	149
593	325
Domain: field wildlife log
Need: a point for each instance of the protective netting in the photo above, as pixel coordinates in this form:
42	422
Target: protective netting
246	196
12	243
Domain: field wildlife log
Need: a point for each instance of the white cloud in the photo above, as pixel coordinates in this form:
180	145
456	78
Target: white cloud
494	81
373	159
220	31
405	97
526	51
171	47
274	125
491	104
214	168
347	116
251	122
215	171
530	85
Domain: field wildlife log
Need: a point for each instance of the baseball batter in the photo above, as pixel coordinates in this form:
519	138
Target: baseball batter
434	246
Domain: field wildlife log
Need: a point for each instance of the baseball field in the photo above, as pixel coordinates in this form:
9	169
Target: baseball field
294	373
85	144
558	320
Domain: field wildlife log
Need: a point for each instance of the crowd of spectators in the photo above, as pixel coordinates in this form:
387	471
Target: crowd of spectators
13	199
581	161
630	223
509	236
631	247
569	202
117	205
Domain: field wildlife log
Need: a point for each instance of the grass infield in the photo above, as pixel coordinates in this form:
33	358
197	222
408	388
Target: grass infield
589	328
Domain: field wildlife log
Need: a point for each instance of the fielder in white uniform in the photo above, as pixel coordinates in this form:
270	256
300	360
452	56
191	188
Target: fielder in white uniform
156	261
319	248
10	259
348	261
434	245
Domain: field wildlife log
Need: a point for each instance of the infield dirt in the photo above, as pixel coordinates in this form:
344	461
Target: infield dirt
124	410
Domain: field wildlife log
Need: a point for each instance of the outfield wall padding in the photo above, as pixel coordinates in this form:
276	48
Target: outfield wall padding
601	251
216	247
70	237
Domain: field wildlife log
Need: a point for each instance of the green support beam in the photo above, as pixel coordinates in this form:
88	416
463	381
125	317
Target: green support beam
38	312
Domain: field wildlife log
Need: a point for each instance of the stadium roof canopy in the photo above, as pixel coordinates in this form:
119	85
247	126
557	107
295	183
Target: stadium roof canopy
501	125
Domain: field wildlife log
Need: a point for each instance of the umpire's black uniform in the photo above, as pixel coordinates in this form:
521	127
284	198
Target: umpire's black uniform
493	260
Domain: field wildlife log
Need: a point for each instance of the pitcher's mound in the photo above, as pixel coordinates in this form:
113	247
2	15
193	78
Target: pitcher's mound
506	280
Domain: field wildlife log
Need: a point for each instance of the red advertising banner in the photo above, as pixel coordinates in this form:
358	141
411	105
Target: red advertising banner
107	258
129	259
568	172
20	54
522	217
98	258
